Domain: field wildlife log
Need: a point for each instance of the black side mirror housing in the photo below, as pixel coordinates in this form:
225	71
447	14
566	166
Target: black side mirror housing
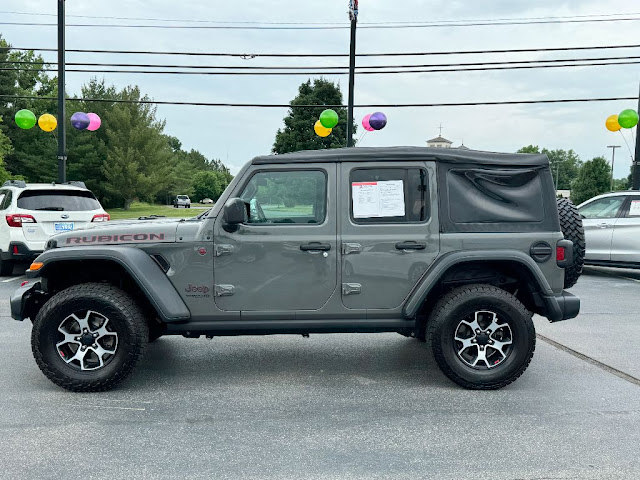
235	213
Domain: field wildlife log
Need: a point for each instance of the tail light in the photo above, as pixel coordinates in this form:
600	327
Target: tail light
564	253
18	219
101	217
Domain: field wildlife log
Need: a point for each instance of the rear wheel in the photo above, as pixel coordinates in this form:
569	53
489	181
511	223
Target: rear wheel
89	337
6	267
481	336
571	225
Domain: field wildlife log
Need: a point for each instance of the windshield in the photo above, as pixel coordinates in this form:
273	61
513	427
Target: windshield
58	200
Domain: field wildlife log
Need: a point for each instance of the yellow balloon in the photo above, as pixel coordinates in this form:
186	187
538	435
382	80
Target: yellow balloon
320	130
47	122
612	123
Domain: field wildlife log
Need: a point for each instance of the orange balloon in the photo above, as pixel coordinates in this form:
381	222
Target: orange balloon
612	123
320	130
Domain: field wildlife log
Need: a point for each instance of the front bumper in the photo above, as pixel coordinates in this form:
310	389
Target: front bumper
562	306
26	300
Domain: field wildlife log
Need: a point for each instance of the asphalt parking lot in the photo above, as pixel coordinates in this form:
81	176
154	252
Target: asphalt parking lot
338	406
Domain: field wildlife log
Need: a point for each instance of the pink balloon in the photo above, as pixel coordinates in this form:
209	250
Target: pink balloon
365	123
94	122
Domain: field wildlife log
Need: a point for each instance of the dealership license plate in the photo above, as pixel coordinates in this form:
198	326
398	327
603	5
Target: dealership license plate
63	226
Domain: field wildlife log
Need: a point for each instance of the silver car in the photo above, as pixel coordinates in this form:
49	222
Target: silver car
612	229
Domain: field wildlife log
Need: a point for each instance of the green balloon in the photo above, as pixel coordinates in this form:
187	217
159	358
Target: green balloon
25	119
329	118
628	118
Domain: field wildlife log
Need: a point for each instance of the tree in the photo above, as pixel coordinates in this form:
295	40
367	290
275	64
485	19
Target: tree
593	179
564	164
34	152
5	148
208	184
138	159
298	133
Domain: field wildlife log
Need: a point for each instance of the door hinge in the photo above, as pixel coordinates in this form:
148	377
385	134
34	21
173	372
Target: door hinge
222	249
348	248
224	290
351	288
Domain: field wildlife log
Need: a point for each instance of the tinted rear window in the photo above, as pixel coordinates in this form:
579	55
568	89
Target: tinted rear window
58	200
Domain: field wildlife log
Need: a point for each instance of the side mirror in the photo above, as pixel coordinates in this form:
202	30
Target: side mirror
235	212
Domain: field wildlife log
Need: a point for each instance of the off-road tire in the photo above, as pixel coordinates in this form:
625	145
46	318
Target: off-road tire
459	303
6	268
126	319
572	229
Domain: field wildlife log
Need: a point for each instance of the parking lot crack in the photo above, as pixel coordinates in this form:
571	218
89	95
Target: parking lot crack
592	361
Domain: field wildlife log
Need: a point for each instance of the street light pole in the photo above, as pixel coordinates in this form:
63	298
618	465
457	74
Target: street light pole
353	16
62	139
613	159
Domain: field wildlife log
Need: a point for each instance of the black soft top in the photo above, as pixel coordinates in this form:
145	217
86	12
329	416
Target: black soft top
444	155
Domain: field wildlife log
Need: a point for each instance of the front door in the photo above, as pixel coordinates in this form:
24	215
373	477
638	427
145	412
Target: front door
599	220
389	231
285	257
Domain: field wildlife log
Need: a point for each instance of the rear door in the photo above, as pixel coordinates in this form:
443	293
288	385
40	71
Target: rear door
389	231
599	219
56	211
625	242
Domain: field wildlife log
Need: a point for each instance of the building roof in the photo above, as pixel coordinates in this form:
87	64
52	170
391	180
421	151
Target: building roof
391	154
439	139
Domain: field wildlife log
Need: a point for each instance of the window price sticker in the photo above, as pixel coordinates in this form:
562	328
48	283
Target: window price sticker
378	199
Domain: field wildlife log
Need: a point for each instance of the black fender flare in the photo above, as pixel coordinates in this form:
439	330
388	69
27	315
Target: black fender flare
438	269
147	274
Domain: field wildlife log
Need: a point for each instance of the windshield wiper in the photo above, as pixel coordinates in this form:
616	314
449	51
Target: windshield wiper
52	209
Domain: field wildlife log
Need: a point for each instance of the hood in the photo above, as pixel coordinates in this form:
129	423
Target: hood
120	232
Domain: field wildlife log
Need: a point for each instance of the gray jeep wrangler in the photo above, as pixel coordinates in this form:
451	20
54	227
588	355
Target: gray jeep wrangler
457	247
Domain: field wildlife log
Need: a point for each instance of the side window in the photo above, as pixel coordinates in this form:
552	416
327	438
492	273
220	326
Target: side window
603	208
389	195
295	196
5	199
634	208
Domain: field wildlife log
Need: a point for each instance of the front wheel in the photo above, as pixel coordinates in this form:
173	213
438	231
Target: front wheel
89	337
481	336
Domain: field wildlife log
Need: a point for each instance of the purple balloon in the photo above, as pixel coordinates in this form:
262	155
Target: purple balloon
80	120
378	120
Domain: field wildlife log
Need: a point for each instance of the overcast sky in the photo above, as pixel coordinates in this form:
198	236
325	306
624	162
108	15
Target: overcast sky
237	134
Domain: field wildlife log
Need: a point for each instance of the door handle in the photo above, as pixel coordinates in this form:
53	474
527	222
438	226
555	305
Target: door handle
604	225
411	245
315	247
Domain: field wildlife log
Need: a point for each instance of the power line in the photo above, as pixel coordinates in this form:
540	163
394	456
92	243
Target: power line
324	27
173	20
331	67
315	23
308	73
286	105
330	55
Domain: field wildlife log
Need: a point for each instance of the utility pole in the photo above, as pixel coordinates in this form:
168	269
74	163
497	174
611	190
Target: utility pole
613	159
353	16
635	172
62	139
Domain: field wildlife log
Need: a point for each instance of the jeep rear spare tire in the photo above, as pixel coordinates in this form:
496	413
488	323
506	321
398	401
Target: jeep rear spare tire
481	336
572	229
89	337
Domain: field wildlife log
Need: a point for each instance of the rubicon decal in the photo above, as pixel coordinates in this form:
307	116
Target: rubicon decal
132	237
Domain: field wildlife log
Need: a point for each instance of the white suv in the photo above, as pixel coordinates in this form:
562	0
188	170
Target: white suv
182	201
33	212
